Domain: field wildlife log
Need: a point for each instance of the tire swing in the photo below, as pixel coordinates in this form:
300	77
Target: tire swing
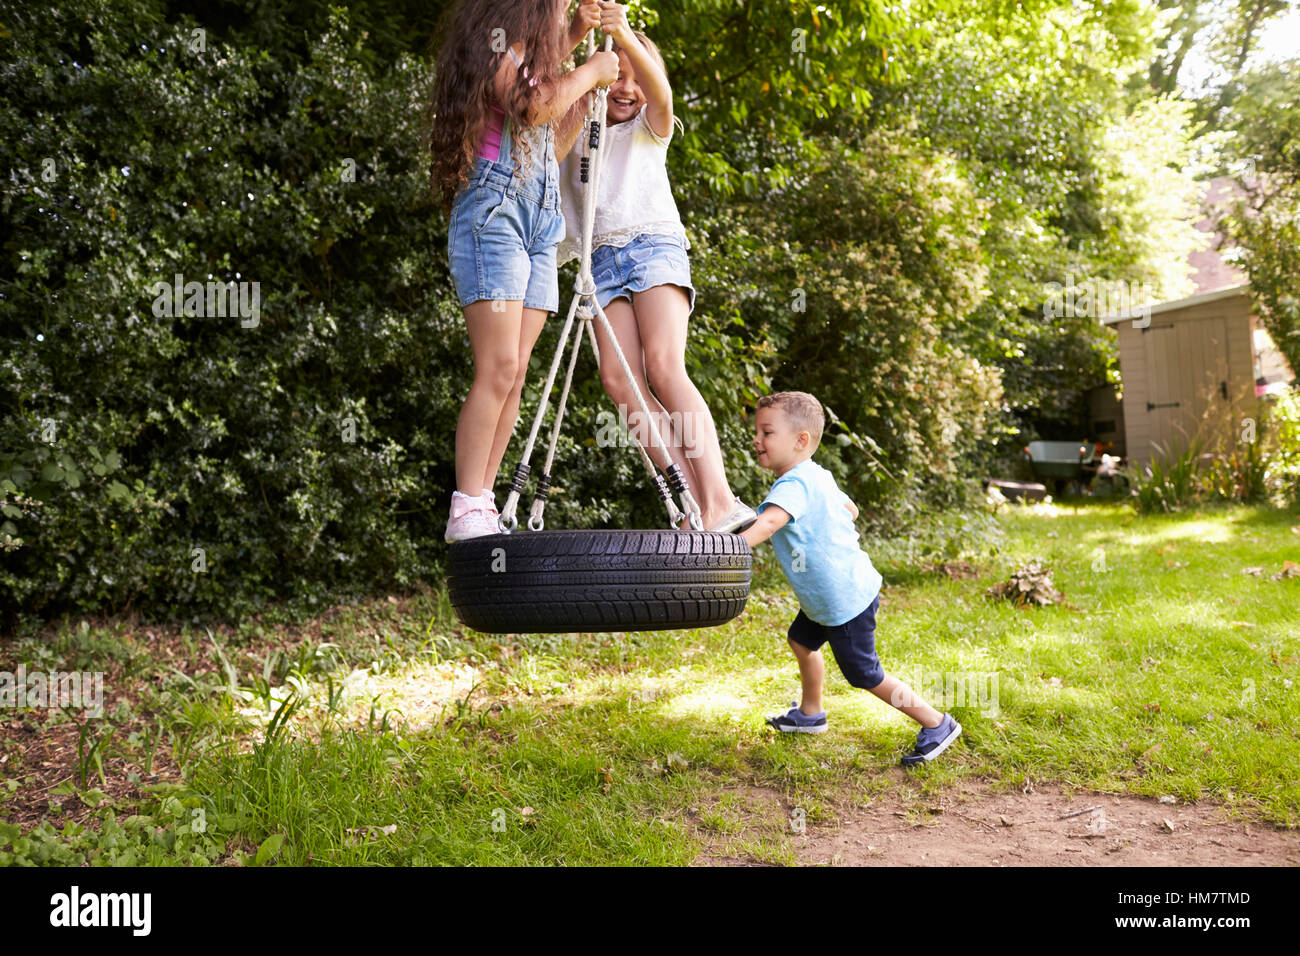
596	580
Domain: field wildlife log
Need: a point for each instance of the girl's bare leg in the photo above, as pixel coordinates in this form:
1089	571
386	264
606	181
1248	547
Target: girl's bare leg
623	320
661	317
494	337
530	328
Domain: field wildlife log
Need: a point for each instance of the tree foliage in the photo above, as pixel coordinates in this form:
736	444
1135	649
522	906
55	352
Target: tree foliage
1267	221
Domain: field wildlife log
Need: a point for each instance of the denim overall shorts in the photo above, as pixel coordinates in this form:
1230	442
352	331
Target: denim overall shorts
504	229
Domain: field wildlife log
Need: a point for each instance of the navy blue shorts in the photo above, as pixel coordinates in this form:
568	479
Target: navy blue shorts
854	644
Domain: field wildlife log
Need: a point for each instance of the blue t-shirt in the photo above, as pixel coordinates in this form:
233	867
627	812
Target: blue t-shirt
818	547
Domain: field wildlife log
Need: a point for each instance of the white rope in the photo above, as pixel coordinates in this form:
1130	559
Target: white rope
585	289
507	521
535	522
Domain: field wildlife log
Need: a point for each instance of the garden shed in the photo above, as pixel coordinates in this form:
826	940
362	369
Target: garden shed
1193	371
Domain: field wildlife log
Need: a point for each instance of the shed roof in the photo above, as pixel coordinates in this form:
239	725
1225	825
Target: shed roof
1228	293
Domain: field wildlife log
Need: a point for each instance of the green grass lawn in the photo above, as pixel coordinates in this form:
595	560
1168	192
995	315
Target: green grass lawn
404	740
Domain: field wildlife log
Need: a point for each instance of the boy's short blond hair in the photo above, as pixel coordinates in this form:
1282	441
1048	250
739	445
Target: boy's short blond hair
801	410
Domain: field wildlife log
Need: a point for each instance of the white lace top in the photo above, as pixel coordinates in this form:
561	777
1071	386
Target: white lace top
634	194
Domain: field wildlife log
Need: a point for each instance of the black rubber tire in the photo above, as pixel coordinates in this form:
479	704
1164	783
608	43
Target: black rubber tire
565	581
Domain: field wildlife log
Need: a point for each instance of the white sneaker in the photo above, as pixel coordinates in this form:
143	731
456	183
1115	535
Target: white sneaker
739	518
468	519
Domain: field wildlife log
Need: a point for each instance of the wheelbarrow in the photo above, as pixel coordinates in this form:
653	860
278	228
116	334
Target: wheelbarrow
1055	462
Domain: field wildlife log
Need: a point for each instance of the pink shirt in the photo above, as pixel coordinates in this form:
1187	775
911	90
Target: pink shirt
489	147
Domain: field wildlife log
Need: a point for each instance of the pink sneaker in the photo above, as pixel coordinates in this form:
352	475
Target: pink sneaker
468	519
489	503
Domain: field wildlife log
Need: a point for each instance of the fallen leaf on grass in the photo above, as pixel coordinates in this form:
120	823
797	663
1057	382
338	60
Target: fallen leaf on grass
1290	569
1255	571
370	833
1029	585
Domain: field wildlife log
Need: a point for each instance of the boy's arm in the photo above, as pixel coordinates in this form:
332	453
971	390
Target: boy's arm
853	509
772	520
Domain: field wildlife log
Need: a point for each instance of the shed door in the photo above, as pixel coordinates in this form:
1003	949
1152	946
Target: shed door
1187	370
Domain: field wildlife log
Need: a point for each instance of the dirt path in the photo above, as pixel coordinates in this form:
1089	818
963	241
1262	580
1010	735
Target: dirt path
974	826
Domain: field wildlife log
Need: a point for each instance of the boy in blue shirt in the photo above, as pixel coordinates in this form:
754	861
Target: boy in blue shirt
810	523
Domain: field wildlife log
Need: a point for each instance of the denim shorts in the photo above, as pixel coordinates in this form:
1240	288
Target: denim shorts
645	262
854	644
503	234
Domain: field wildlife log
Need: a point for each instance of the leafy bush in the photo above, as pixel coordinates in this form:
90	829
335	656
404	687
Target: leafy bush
1281	444
181	461
1266	468
841	287
1169	483
1238	475
925	538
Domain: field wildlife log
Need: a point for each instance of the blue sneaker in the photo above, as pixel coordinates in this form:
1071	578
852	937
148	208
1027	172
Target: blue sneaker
932	741
795	721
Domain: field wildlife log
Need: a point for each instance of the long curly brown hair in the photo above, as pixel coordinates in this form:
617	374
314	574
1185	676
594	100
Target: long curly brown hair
477	34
